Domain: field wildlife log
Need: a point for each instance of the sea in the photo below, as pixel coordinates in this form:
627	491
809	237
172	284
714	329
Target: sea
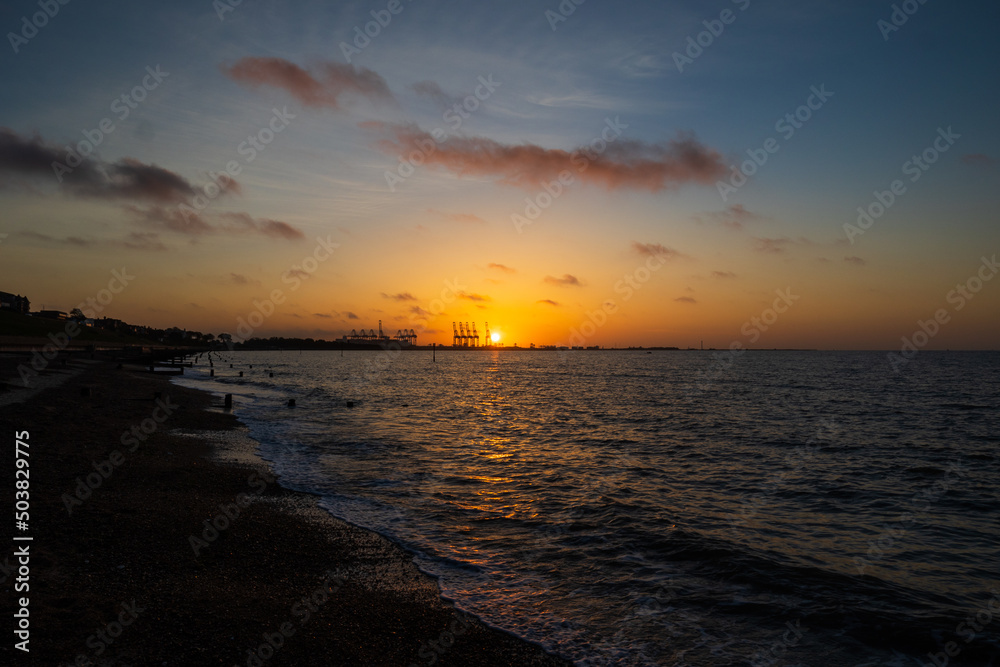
636	507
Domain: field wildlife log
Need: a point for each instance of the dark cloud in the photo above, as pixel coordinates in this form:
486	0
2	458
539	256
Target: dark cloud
265	226
473	297
734	217
566	280
655	250
351	316
402	296
127	178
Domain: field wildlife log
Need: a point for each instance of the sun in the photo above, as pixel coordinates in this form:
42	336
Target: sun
495	337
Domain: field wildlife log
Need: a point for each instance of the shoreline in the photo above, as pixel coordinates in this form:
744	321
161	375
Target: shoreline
186	536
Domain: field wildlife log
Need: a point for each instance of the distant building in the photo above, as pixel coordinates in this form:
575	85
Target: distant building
15	302
53	314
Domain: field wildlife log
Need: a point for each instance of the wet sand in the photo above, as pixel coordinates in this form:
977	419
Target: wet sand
115	579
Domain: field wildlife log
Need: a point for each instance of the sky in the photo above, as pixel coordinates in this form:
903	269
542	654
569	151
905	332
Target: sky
734	172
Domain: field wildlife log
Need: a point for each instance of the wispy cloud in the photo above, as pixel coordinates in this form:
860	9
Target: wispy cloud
191	223
501	267
324	88
733	217
433	91
625	164
351	316
655	250
777	246
685	299
978	160
468	218
473	297
857	261
402	296
565	281
549	302
725	275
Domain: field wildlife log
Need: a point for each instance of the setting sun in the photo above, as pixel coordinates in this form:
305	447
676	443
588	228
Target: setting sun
495	337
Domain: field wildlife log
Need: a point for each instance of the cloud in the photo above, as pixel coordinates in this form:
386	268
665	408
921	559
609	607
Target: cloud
265	226
171	219
857	261
144	241
420	312
69	240
725	275
127	178
655	250
433	91
685	299
458	217
297	273
322	89
192	223
625	164
402	296
323	315
351	316
239	278
473	297
565	281
734	217
500	267
777	246
978	160
133	241
549	302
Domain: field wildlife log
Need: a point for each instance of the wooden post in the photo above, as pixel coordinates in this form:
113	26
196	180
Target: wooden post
229	401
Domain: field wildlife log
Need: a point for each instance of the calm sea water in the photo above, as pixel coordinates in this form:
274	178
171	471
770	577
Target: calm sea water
665	508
